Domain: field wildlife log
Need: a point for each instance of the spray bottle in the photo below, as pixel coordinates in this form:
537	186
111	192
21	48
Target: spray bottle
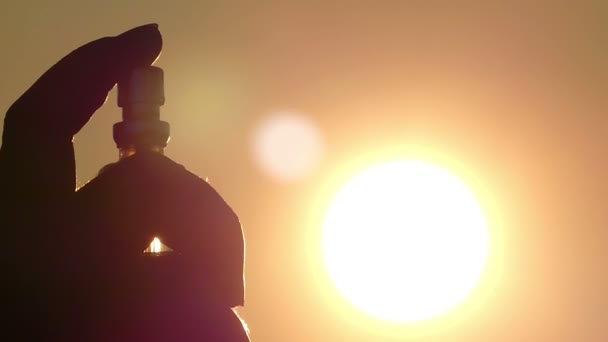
161	232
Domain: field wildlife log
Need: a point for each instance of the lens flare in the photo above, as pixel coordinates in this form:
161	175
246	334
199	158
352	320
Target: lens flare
287	146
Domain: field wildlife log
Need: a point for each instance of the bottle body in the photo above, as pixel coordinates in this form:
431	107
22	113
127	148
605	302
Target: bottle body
165	245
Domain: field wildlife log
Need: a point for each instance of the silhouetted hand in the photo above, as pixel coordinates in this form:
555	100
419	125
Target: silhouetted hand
72	264
57	283
37	176
36	158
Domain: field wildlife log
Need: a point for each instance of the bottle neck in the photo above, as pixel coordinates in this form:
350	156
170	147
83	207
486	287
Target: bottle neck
126	152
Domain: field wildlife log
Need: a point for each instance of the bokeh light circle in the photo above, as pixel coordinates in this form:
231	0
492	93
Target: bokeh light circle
287	146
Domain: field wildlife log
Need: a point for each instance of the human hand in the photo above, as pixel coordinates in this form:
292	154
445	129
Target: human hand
37	172
60	274
66	96
36	158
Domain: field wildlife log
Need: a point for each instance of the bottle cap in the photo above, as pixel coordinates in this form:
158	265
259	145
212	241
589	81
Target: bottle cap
140	95
144	85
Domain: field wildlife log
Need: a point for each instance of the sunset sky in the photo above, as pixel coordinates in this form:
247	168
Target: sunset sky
511	98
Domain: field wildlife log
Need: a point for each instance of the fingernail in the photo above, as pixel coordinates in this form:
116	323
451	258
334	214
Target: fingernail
142	44
139	31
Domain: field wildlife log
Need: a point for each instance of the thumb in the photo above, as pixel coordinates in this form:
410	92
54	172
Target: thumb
63	99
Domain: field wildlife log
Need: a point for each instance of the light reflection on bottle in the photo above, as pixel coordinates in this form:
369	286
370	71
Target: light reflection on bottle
157	247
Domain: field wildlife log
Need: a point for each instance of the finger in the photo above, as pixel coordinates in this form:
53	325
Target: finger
64	98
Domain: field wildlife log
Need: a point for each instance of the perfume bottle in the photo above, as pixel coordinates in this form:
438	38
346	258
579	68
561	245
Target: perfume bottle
160	240
140	96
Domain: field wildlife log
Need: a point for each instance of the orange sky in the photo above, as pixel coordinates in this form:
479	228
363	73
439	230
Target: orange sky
510	98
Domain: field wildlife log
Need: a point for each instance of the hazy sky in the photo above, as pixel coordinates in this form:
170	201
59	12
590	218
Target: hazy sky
510	97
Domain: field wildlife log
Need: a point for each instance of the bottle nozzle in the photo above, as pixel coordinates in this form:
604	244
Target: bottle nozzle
140	96
142	93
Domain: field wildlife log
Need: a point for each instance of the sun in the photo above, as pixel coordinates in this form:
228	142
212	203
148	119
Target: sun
405	241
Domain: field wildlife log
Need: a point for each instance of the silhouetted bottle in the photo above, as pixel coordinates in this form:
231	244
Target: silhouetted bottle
140	96
137	207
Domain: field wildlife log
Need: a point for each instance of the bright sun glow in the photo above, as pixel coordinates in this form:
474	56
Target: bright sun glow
405	241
